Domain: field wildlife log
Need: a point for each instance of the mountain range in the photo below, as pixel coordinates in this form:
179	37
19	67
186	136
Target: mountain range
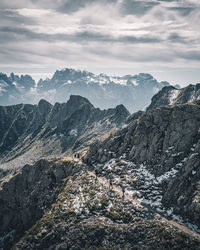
29	132
103	91
50	197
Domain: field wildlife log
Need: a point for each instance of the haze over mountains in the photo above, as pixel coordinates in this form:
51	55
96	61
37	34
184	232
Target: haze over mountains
103	91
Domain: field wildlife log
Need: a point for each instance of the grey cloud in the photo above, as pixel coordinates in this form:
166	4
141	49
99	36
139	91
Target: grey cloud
134	55
167	0
68	6
92	36
132	7
13	18
166	43
76	37
193	55
176	38
183	11
9	55
145	39
5	4
15	31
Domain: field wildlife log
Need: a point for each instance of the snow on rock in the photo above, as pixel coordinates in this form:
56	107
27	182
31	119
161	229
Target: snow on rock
139	182
73	132
173	96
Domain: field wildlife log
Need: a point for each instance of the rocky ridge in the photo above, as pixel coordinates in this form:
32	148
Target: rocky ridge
57	204
161	149
34	131
170	95
63	207
26	193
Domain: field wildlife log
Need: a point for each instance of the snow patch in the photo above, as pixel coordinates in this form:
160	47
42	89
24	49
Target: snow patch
173	95
73	132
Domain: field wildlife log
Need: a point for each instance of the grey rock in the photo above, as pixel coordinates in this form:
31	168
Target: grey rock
163	139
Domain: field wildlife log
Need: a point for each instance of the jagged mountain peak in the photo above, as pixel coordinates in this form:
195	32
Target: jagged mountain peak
78	100
69	74
121	109
171	95
44	106
162	98
56	128
103	91
43	102
4	77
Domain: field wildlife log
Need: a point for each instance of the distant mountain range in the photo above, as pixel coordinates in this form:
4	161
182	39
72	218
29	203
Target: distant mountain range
133	91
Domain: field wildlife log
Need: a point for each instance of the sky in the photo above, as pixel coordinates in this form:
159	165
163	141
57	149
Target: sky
115	37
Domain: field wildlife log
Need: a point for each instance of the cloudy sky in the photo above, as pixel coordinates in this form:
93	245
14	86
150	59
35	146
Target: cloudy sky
161	37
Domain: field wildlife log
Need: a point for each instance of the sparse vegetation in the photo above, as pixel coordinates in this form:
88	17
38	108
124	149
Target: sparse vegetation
85	209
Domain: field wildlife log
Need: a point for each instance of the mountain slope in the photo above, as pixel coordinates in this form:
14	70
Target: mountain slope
161	150
63	207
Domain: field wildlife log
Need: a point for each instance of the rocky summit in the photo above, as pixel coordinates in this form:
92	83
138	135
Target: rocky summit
77	177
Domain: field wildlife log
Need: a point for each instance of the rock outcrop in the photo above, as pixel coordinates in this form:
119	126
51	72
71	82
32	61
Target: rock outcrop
26	194
166	141
170	95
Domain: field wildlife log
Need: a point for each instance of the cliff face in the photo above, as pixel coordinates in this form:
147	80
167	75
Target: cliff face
166	141
20	121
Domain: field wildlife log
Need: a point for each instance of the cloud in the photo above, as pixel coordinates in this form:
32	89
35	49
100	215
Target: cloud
76	37
138	8
176	38
99	33
69	6
12	18
183	11
192	55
